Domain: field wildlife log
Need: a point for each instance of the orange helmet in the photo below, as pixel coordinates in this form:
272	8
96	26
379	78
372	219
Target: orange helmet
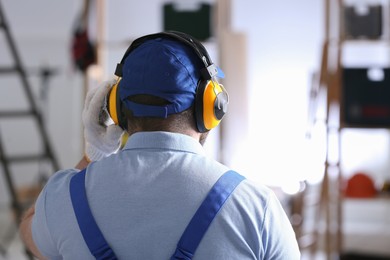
360	185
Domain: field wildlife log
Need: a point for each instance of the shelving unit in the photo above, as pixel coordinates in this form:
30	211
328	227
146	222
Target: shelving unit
330	82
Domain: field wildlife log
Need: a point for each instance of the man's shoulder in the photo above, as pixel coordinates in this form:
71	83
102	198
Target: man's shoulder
59	181
54	199
254	191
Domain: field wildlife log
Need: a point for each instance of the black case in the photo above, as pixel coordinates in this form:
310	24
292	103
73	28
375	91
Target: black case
363	26
366	103
196	23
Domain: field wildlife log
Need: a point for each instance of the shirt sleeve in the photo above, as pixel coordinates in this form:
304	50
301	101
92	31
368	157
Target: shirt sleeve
278	236
40	231
42	224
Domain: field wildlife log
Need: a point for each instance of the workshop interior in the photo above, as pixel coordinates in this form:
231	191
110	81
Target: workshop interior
309	103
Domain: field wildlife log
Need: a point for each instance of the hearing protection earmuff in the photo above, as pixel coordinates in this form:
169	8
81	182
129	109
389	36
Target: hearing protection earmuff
211	98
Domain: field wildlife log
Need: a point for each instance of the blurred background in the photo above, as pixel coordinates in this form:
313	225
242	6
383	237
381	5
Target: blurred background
309	112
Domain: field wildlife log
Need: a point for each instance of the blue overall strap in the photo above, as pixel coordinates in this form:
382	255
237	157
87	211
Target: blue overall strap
89	229
205	214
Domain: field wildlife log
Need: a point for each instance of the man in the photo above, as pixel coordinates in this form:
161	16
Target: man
143	197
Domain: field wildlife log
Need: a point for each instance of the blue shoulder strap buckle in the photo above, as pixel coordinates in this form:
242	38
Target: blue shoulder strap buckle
189	240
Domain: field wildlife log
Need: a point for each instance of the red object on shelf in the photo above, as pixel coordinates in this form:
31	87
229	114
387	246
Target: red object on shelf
360	185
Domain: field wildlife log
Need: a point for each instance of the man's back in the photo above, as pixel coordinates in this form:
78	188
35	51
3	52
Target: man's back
143	198
167	98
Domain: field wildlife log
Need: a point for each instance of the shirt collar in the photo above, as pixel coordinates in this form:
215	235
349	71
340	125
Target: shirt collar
164	140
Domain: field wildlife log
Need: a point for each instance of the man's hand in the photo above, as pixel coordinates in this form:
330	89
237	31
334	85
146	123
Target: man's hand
101	140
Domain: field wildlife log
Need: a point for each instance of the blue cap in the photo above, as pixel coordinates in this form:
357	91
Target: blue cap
164	68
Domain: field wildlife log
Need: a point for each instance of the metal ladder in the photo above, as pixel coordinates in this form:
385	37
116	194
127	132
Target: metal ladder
32	112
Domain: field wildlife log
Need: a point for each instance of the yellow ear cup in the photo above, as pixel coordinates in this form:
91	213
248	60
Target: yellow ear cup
209	98
112	105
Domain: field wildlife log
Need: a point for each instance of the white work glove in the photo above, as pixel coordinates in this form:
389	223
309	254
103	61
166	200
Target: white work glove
101	140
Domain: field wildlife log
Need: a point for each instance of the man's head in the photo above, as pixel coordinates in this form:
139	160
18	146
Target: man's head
164	76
